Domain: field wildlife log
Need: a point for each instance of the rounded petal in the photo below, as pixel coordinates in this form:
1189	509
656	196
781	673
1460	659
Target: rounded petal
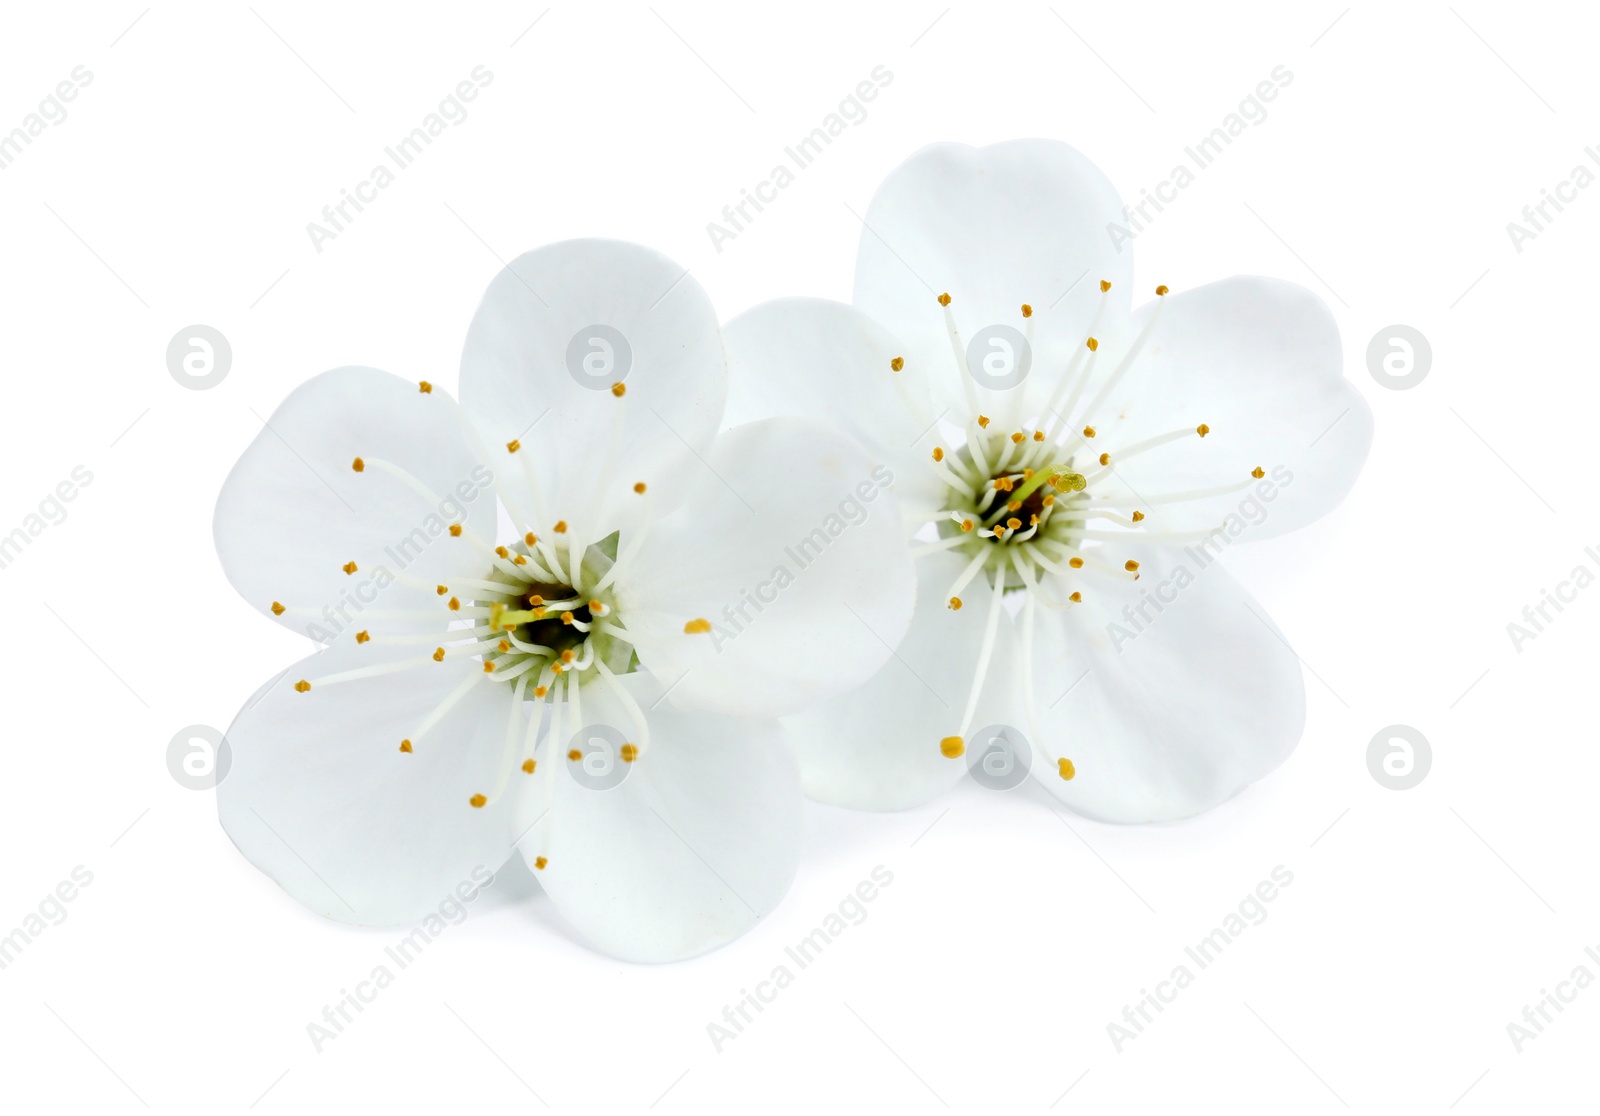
321	798
699	840
294	511
877	747
792	554
1026	221
1258	361
556	330
829	361
1169	694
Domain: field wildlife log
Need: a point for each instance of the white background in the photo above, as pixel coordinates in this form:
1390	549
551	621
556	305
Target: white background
1418	923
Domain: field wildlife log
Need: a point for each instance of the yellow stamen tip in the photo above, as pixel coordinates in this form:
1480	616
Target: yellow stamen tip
277	609
1130	565
897	363
502	551
362	637
1065	769
697	626
349	567
566	618
1038	435
529	765
438	654
1137	516
1027	311
967	525
1105	285
561	527
1093	344
619	389
503	645
938	453
301	686
478	801
455	530
568	655
574	755
1075	563
513	446
952	747
540	691
1202	430
488	667
405	745
639	488
1258	472
1161	290
1105	459
955	604
630	752
424	387
442	589
358	465
944	299
455	604
1076	597
539	862
1088	432
983	421
1017	438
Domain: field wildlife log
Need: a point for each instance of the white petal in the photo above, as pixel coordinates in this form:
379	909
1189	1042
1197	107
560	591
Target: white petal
1024	221
794	551
556	328
829	361
320	798
293	511
1258	361
877	747
698	841
1167	711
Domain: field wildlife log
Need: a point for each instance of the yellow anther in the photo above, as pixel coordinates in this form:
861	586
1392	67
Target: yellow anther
405	745
1048	501
1137	516
424	387
539	862
1017	438
639	488
455	604
596	606
1202	430
1027	474
1161	290
944	299
938	453
557	668
568	655
301	686
502	551
1075	562
952	747
619	389
540	691
441	589
566	618
1065	769
1130	565
1027	311
1038	435
349	567
966	524
1105	459
478	801
530	539
488	667
503	645
1093	344
574	755
455	530
1014	505
1258	472
955	604
561	527
1076	598
529	766
362	637
696	627
513	446
630	752
1105	285
983	422
358	464
520	560
534	600
1088	432
438	654
897	363
277	609
1013	523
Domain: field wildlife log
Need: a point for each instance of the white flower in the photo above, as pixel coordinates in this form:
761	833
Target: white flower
632	586
1148	683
